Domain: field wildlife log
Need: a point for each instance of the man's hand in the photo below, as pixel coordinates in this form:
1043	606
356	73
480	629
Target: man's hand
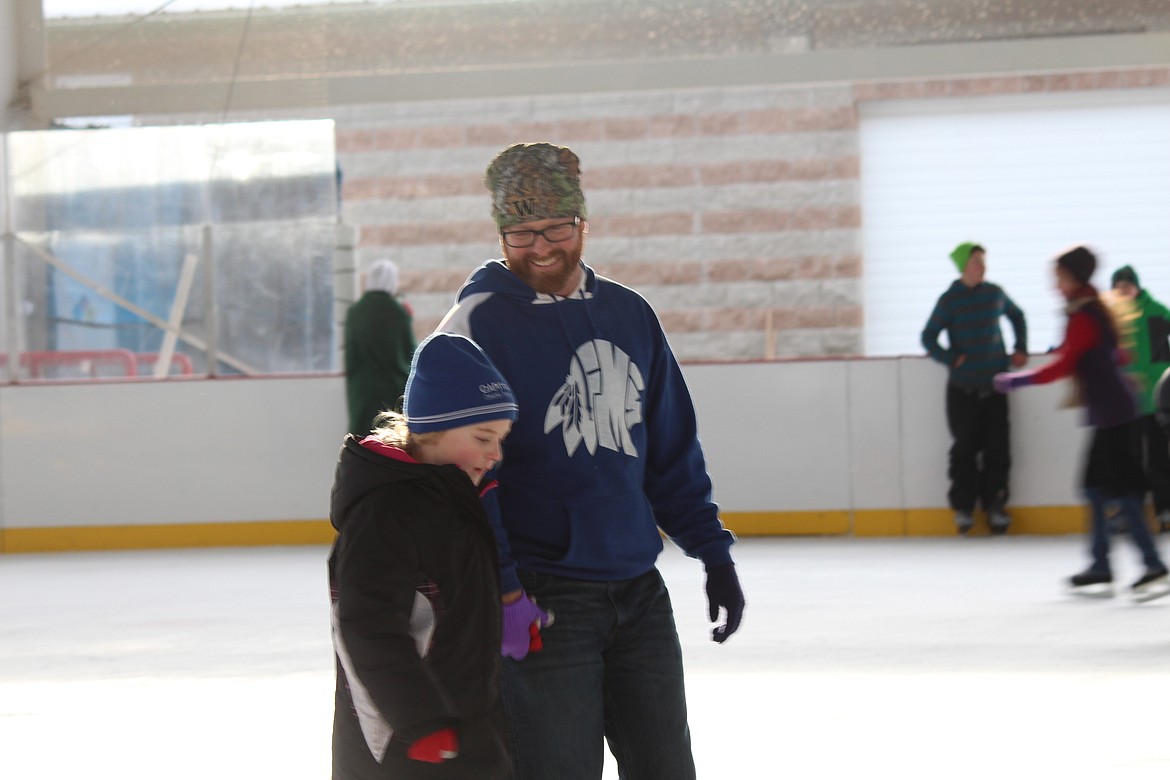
724	592
1018	359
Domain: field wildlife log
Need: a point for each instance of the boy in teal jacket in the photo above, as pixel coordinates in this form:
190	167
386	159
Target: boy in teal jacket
969	312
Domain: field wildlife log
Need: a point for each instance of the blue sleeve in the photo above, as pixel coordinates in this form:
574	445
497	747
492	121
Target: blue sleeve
676	481
1015	316
458	320
939	319
490	496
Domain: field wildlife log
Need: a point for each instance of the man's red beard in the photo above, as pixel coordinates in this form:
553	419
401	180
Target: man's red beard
553	280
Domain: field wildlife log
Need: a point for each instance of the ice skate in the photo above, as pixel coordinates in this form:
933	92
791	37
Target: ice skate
1091	584
999	521
963	522
1154	584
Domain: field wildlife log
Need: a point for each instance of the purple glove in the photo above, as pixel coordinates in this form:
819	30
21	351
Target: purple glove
723	591
1008	381
519	617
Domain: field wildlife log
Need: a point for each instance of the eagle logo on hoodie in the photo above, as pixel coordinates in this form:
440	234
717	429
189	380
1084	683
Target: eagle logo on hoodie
600	401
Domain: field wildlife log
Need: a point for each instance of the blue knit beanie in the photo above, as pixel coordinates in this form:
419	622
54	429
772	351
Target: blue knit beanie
452	383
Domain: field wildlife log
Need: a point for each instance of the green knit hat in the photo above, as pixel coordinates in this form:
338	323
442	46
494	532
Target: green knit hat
529	182
962	254
1125	274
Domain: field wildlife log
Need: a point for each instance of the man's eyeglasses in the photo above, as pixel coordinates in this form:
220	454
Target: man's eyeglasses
554	234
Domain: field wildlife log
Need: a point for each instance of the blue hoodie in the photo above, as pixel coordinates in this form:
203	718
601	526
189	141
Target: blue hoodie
606	450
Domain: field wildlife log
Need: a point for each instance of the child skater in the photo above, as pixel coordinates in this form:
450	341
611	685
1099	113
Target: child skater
1113	476
413	578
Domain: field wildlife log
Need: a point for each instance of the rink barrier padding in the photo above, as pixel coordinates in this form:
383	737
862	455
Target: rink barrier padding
147	537
1038	520
898	522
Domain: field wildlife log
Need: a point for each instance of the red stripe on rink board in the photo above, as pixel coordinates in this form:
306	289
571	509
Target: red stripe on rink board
772	220
724	319
814	169
668	272
433	281
764	121
423	233
771	269
639	177
412	187
761	269
1136	78
799	120
670	224
629	177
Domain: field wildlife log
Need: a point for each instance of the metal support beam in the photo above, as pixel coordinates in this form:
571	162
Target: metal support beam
31	62
957	60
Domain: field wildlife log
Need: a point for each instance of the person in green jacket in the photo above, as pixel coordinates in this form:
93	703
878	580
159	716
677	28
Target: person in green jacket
379	343
1151	358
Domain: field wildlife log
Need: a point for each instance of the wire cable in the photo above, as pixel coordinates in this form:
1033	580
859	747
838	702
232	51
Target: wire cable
227	103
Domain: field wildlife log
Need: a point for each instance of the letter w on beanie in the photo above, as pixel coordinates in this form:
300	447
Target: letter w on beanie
529	182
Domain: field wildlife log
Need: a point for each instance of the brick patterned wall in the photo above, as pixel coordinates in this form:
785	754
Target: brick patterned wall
726	209
735	212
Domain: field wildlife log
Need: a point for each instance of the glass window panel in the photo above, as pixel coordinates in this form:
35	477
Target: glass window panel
274	296
110	234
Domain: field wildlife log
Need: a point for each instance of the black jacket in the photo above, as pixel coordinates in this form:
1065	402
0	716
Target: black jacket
416	619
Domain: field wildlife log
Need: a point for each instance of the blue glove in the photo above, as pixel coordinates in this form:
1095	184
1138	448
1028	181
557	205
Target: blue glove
723	591
1011	380
519	618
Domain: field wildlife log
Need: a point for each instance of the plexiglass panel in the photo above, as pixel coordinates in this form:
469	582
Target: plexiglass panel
120	232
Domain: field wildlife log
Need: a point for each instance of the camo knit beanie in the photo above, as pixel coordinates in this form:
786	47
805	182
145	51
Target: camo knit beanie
534	181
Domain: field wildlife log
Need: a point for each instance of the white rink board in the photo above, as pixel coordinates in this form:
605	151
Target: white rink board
802	435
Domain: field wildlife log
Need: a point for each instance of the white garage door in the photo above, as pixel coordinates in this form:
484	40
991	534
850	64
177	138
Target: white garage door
1025	176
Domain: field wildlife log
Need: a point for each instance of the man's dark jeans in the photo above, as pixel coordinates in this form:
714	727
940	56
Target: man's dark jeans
611	669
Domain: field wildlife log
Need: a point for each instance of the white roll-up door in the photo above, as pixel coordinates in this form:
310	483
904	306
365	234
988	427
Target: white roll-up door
1025	176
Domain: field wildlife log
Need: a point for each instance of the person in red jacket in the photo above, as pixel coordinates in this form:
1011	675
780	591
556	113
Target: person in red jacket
414	579
1113	475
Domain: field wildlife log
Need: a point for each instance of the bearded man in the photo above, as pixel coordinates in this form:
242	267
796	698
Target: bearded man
603	456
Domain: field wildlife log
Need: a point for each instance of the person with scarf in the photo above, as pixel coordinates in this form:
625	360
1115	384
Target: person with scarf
1113	478
1151	358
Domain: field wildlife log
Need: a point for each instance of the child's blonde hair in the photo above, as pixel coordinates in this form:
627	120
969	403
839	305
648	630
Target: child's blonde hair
1125	314
390	428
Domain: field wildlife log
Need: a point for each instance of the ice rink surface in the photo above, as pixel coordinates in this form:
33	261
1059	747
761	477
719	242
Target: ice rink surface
858	658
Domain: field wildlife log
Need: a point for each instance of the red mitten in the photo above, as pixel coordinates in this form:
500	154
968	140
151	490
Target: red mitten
535	643
436	747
